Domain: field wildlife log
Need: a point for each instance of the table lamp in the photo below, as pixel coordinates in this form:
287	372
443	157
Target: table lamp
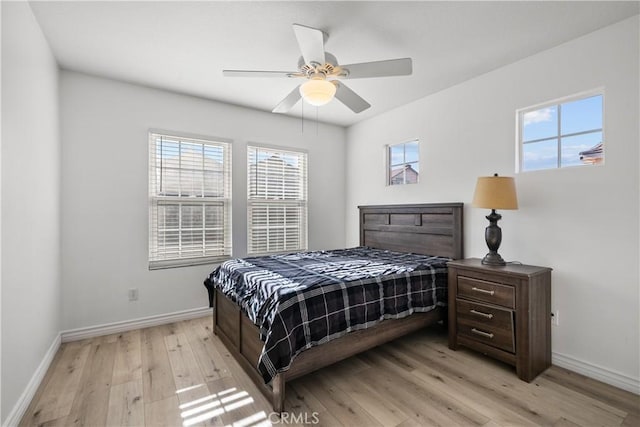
494	192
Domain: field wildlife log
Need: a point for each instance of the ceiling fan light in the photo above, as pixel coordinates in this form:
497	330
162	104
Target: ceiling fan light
317	92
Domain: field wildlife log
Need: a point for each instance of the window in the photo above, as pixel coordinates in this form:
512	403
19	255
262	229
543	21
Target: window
189	200
562	134
277	200
403	163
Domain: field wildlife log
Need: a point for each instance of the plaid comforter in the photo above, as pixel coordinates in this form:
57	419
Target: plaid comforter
303	299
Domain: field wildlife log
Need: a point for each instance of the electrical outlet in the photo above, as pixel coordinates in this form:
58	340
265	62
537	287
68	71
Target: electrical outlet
555	318
133	294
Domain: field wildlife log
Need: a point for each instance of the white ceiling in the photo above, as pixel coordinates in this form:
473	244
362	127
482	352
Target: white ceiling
184	46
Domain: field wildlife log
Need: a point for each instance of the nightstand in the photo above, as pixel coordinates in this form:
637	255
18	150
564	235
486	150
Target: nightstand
503	312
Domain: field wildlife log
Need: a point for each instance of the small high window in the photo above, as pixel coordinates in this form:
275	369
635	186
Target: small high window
403	163
562	134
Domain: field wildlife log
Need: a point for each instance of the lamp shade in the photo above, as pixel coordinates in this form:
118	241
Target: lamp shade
317	92
495	192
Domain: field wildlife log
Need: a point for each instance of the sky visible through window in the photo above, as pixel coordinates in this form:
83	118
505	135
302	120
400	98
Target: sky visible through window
568	129
168	148
404	166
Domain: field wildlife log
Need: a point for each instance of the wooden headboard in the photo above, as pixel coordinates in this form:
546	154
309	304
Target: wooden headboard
428	229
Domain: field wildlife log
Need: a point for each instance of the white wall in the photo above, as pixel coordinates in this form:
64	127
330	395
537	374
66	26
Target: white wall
104	192
30	200
582	222
1	416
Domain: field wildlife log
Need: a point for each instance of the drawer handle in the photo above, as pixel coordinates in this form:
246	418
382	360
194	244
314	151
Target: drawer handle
481	333
479	313
483	291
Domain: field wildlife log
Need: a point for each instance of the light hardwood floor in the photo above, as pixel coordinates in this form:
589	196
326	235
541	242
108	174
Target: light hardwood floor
181	374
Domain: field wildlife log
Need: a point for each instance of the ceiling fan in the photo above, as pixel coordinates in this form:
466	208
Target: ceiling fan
323	74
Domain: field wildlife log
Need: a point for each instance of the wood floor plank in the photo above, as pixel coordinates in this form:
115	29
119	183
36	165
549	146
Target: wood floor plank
471	397
558	390
128	363
205	411
92	400
549	400
202	342
106	339
457	384
299	401
301	404
157	377
632	419
563	422
426	405
538	401
237	376
496	383
381	409
60	391
190	384
126	407
410	422
350	367
58	422
238	401
606	393
30	412
337	402
163	413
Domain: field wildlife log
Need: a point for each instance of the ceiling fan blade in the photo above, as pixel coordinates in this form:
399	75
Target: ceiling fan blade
390	67
288	102
350	98
250	73
311	43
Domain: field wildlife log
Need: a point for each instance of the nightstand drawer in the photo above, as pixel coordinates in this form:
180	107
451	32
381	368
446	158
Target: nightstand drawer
488	324
490	292
497	337
485	316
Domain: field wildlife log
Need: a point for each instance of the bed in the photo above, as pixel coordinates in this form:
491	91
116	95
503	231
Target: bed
408	244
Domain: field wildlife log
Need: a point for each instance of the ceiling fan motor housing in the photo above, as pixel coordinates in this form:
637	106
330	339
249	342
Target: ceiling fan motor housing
329	68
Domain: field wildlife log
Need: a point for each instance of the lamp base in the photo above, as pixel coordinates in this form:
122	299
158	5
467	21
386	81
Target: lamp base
493	258
493	236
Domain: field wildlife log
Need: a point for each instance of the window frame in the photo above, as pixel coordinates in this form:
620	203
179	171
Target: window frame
388	160
558	135
158	262
301	203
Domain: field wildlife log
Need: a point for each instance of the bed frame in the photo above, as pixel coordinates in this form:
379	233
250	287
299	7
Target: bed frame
429	229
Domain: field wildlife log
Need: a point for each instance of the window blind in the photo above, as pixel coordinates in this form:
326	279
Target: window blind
189	200
277	200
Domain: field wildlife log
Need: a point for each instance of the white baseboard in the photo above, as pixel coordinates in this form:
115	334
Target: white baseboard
596	372
16	414
129	325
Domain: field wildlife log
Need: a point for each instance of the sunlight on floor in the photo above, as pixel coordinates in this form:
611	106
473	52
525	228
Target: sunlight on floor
220	403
